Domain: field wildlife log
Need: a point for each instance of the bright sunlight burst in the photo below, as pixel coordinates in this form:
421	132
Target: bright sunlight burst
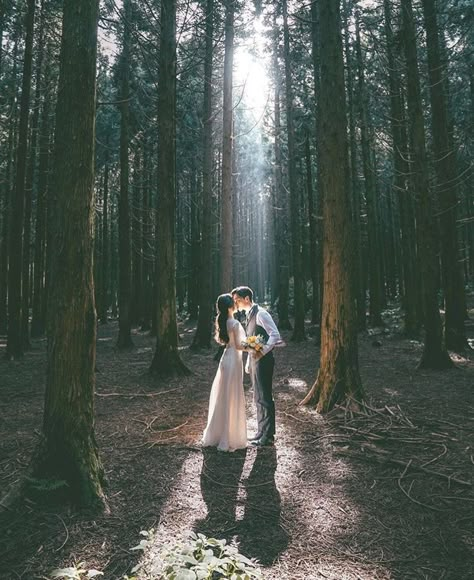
251	81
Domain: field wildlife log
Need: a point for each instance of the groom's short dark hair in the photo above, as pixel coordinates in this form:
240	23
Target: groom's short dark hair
243	291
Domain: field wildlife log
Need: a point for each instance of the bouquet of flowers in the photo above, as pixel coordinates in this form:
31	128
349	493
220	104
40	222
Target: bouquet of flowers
254	342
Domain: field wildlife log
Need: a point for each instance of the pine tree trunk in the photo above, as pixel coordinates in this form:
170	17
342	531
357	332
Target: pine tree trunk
30	180
281	218
298	289
137	265
104	287
68	449
227	147
15	262
124	292
359	267
9	181
434	354
166	360
447	177
313	253
147	238
202	338
410	294
38	322
375	297
338	378
193	249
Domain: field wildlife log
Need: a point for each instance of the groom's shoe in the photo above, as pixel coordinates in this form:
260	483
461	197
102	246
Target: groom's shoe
269	442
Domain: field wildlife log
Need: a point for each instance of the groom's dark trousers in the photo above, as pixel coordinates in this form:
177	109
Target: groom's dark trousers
263	396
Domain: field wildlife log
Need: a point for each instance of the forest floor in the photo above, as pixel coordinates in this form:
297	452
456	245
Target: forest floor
385	493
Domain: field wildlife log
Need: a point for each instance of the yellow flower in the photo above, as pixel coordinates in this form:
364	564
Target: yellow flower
251	339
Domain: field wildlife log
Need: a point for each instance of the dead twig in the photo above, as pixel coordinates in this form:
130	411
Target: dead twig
407	493
67	533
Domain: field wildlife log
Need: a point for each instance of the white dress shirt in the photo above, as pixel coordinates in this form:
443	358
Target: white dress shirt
264	320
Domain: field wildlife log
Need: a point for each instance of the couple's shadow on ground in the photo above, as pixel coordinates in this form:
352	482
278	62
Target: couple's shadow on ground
247	510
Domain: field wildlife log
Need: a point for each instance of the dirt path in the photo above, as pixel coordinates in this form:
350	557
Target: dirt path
364	496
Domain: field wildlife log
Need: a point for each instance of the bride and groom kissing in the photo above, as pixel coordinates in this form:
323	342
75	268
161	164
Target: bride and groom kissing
226	425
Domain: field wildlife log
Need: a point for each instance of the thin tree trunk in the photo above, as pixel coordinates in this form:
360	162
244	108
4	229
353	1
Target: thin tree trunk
136	306
447	183
30	179
227	146
375	284
166	360
313	257
147	238
434	354
338	379
202	338
298	290
410	294
68	450
359	268
193	249
14	337
38	322
281	205
104	288
124	295
9	183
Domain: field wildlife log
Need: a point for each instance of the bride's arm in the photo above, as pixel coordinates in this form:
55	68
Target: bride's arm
239	337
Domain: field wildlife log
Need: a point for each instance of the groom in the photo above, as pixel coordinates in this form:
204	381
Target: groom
260	365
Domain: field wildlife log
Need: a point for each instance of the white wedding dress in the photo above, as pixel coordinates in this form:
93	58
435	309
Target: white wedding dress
226	425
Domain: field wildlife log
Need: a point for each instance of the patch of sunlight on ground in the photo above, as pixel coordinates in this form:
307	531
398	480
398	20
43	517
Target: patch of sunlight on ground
293	484
298	384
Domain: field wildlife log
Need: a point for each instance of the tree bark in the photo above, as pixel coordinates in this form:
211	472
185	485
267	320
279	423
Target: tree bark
193	249
375	282
281	201
14	337
410	292
447	182
166	360
434	354
359	267
298	289
338	379
38	322
30	180
313	253
125	261
227	152
104	287
202	338
68	449
136	305
148	251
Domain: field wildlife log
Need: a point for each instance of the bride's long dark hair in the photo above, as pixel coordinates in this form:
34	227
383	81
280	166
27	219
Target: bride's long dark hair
224	302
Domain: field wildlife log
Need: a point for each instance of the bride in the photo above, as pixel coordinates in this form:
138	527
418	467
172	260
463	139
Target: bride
226	428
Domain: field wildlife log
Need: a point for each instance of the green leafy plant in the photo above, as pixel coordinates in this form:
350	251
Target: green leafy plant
199	558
